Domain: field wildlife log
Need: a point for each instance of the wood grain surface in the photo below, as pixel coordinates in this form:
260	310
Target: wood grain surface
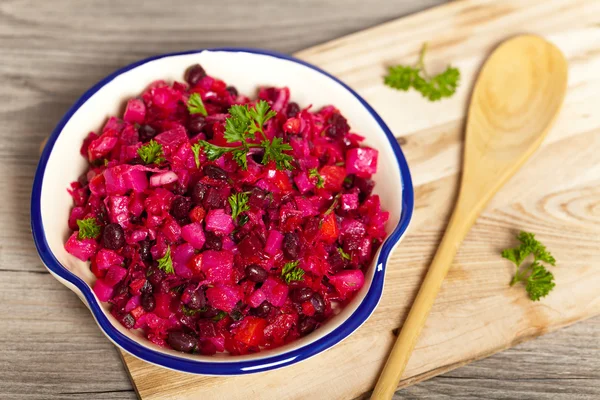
51	52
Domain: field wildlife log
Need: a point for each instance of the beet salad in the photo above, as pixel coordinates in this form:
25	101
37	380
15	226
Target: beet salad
218	223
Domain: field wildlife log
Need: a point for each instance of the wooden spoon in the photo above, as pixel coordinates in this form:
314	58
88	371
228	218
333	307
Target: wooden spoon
516	99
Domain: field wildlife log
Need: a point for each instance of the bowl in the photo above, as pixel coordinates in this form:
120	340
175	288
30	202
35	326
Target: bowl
247	69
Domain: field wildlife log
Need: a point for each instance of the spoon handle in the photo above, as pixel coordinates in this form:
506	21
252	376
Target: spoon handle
457	229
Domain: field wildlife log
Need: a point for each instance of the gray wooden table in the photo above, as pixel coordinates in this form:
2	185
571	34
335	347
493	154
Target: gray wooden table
50	52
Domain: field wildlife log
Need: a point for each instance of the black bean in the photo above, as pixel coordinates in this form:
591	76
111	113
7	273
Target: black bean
128	321
214	172
263	309
306	325
292	109
258	198
232	90
147	288
301	295
197	124
196	300
256	273
145	246
318	303
212	241
198	192
291	245
146	132
194	74
338	126
113	237
183	342
181	207
147	301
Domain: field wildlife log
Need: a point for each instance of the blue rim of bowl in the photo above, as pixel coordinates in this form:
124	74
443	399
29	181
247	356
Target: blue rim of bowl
360	315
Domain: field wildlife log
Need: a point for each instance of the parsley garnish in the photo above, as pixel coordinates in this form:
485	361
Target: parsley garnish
165	263
195	105
314	173
292	272
88	228
151	152
344	254
222	314
403	77
238	203
196	150
190	312
538	280
241	126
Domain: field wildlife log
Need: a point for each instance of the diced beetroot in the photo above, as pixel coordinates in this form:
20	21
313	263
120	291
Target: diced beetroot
217	265
163	305
82	249
223	296
100	147
76	213
135	112
219	221
194	234
197	214
103	291
305	206
275	291
349	201
114	275
136	285
280	327
347	281
122	178
98	186
106	258
171	230
113	124
118	210
132	303
256	298
274	241
181	256
303	183
361	161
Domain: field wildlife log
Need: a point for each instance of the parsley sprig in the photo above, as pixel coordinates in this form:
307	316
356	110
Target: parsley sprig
241	127
196	150
195	105
88	228
151	152
538	280
314	173
238	203
433	88
292	272
166	263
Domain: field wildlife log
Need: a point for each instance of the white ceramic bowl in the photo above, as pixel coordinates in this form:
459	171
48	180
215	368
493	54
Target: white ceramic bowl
247	69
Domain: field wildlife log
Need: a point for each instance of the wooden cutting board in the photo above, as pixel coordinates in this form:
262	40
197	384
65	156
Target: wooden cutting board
556	195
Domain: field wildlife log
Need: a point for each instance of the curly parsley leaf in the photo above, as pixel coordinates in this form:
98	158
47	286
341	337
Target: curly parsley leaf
433	88
191	312
195	105
344	254
212	151
166	263
196	150
151	152
538	280
314	173
241	127
292	272
238	203
88	228
274	151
